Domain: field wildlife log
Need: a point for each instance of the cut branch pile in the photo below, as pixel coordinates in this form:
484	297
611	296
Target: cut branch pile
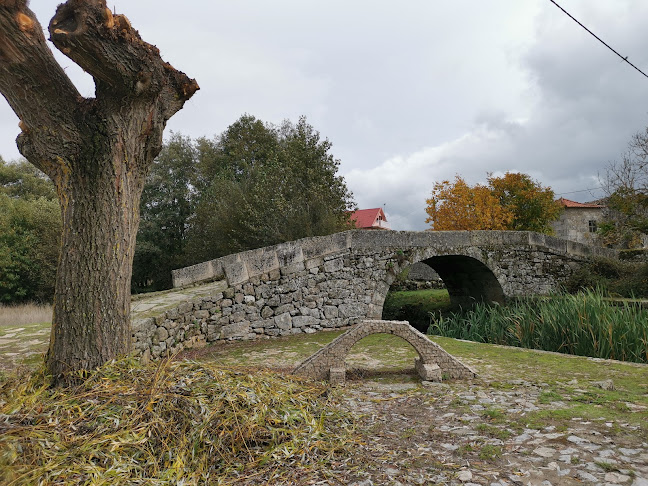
180	423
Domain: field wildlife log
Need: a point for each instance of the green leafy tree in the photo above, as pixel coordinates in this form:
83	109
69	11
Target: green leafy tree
265	185
30	230
167	203
22	179
533	206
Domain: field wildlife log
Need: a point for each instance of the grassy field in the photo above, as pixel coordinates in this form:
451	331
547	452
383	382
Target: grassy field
19	315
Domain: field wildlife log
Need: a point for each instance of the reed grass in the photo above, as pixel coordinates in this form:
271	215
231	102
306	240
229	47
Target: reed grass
584	324
19	315
178	423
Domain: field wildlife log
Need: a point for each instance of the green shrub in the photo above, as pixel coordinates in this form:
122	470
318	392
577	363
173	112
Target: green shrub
30	231
613	277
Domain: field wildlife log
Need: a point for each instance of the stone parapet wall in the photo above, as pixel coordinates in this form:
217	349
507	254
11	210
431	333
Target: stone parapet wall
324	293
294	255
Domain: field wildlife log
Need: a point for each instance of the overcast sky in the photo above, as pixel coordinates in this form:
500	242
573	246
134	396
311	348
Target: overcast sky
411	92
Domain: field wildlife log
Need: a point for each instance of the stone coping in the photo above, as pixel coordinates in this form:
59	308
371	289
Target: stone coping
240	267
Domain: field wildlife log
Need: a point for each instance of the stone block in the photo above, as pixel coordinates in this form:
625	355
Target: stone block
238	316
301	321
290	253
333	265
284	308
261	261
427	372
236	330
330	311
353	310
160	335
283	321
185	307
292	268
194	273
143	325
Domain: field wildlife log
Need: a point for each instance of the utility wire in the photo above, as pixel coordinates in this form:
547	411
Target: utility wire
582	190
625	59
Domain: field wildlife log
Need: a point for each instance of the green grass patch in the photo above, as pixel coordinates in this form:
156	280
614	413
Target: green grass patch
549	397
381	353
490	452
493	431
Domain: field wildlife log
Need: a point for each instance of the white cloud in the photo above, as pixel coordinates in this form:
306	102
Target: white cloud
413	92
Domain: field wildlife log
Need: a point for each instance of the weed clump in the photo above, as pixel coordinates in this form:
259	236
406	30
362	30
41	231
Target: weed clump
180	423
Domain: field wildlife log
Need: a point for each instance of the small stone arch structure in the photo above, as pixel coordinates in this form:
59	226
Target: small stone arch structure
433	362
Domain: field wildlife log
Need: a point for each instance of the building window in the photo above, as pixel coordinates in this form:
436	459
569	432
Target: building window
592	226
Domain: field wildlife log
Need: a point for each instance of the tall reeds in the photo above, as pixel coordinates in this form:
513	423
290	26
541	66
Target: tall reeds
585	324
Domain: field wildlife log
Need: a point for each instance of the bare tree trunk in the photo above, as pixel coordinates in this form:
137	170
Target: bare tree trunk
97	151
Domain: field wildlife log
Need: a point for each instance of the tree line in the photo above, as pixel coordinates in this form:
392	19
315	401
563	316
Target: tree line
254	185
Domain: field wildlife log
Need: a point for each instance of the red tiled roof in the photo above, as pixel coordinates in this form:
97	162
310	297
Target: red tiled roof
365	218
573	204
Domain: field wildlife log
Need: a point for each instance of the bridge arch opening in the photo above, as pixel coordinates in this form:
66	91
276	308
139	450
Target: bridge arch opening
467	279
465	282
380	354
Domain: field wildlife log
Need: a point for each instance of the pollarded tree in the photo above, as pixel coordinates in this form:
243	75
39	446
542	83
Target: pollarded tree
97	151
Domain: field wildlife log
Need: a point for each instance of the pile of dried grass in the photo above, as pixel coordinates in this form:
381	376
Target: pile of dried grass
180	423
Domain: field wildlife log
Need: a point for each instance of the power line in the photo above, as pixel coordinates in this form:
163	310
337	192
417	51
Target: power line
625	59
582	190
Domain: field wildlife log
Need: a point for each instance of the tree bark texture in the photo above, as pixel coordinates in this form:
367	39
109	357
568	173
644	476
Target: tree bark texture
97	151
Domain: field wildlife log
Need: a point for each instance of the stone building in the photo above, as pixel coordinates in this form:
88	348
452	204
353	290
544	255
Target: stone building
579	221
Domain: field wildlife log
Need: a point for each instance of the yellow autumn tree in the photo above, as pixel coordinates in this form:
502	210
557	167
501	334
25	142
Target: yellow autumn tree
458	206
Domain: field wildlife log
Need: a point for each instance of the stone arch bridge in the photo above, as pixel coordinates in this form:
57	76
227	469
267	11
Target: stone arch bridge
333	281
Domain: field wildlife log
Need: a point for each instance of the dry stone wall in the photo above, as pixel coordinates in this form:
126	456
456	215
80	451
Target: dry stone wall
338	280
338	292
